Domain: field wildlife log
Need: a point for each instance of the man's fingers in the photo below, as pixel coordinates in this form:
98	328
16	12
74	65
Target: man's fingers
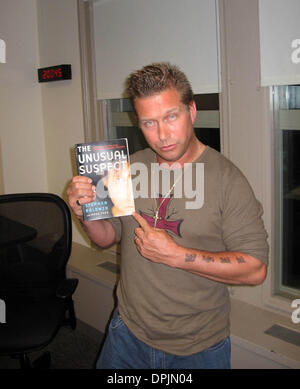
82	190
83	200
81	183
82	179
142	222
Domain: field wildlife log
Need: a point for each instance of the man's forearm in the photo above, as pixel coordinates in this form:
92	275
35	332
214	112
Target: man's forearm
101	232
234	268
227	267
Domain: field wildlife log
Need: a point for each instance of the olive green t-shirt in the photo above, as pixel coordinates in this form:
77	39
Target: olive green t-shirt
168	308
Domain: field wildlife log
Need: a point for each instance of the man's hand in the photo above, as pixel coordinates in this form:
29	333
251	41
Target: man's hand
80	190
154	244
101	232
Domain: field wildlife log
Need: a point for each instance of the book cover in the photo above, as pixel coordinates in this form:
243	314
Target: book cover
107	164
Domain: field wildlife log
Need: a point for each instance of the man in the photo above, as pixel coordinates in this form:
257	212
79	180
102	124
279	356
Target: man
176	262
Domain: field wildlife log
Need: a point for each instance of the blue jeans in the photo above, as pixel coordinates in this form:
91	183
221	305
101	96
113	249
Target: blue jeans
122	350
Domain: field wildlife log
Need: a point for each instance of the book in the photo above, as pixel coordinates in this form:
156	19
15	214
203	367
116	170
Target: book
107	164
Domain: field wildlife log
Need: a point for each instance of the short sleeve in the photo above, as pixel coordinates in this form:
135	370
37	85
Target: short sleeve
242	224
116	223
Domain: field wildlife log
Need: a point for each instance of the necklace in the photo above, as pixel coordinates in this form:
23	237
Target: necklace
158	206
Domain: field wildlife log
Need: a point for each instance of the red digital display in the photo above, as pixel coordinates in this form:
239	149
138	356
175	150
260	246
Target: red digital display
55	73
52	73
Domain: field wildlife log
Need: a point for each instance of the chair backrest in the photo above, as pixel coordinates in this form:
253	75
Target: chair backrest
35	243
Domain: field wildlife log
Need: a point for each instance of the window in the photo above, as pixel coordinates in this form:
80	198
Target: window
286	108
121	122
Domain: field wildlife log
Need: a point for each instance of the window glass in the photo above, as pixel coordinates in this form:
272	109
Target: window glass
286	100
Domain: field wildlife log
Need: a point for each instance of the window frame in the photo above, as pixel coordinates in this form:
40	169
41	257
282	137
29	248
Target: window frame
283	120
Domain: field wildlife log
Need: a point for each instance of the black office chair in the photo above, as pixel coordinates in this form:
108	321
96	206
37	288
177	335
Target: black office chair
35	245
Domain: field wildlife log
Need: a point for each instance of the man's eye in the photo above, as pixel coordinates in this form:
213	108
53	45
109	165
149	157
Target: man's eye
149	123
171	117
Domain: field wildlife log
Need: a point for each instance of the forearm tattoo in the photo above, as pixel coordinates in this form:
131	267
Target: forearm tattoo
225	260
190	257
209	259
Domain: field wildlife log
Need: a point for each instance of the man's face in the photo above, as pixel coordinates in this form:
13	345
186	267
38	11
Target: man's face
167	125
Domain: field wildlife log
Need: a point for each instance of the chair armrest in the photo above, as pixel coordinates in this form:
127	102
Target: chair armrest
67	288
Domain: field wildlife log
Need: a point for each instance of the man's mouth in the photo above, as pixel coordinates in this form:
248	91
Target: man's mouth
168	147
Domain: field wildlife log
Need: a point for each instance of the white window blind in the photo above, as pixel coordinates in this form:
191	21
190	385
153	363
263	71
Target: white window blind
129	34
279	42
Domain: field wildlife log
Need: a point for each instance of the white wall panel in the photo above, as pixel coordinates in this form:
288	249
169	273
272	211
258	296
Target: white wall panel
279	42
132	33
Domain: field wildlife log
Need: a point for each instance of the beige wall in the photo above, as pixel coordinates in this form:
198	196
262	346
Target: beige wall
1	172
21	119
62	100
39	123
246	121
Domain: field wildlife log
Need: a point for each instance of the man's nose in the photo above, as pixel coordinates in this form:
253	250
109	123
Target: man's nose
163	131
